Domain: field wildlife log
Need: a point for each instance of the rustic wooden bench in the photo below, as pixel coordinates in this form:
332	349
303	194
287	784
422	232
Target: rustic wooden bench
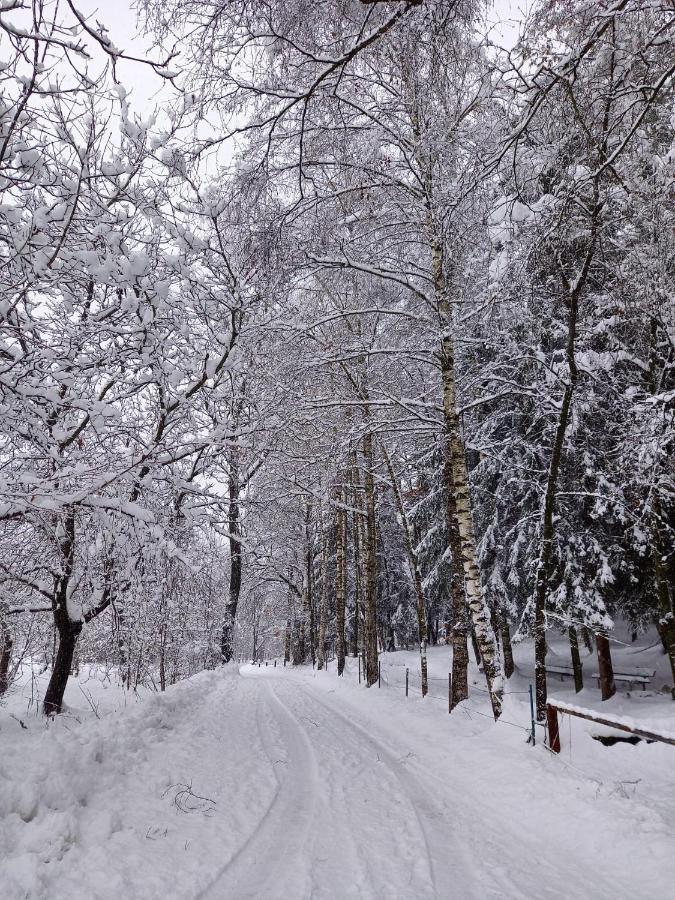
631	676
562	670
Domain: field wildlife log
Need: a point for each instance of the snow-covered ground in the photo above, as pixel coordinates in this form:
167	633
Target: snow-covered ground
272	783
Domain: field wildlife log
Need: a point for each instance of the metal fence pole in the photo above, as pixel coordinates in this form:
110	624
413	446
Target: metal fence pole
533	735
406	681
379	674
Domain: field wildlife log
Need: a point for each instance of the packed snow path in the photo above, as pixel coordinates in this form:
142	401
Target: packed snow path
347	818
279	783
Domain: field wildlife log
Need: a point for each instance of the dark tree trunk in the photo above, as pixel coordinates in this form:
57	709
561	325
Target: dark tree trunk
6	644
665	621
357	543
370	648
507	648
573	288
340	580
576	660
605	669
68	633
66	630
476	648
234	528
587	638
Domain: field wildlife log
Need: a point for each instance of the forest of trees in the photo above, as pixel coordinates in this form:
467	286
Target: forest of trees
363	339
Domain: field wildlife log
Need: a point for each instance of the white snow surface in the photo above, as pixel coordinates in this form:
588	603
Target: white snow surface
269	783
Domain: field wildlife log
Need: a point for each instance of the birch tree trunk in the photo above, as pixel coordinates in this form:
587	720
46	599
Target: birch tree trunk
414	569
459	489
460	619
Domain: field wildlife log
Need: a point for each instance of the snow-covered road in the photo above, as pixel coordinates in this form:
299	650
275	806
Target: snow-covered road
278	783
365	808
348	818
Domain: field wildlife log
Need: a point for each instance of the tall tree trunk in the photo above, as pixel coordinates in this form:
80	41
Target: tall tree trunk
460	616
605	669
309	585
340	580
370	649
66	630
507	647
287	642
546	551
68	633
234	529
587	638
356	542
576	660
6	644
573	289
323	608
480	614
665	622
414	569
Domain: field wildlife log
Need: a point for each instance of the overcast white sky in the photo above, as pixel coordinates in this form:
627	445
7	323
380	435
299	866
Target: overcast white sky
117	15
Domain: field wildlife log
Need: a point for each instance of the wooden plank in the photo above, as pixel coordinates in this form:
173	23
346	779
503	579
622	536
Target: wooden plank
620	726
638	673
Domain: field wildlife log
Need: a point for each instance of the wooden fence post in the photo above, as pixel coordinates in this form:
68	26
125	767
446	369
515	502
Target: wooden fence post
553	732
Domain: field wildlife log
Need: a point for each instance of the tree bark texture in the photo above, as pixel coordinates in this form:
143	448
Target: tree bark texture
323	607
234	529
576	660
371	658
414	569
455	450
67	631
340	580
605	668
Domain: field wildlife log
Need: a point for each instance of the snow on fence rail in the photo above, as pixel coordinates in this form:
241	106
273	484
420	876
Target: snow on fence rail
553	707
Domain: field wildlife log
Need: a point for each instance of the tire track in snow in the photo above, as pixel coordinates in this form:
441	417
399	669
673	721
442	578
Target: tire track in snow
446	851
271	862
410	788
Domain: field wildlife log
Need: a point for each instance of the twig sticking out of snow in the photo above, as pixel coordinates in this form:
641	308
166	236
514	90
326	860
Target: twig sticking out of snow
188	802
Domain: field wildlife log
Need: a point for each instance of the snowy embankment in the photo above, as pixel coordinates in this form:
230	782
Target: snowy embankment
296	784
